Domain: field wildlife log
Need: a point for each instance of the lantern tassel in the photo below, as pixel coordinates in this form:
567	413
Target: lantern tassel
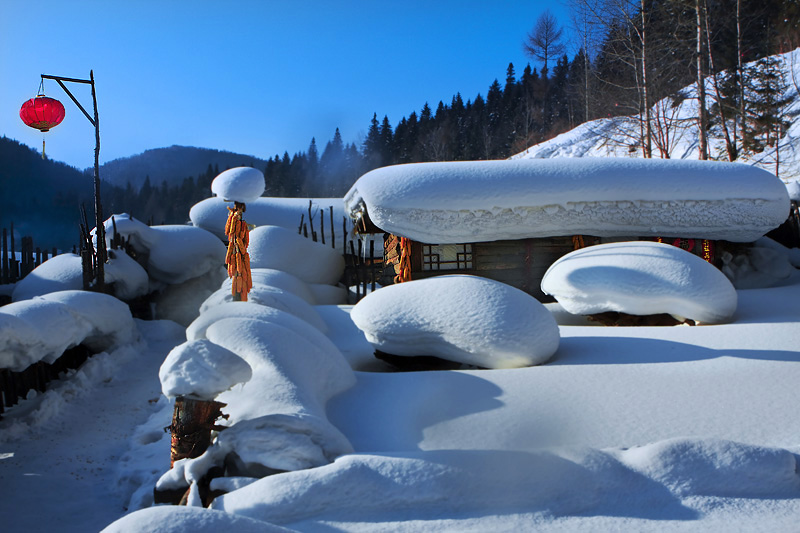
43	157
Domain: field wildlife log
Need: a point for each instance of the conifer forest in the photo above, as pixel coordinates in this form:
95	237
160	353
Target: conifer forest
610	58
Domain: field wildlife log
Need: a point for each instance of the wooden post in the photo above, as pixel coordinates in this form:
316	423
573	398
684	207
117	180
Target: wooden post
12	265
355	271
192	422
333	234
372	262
4	271
322	225
311	222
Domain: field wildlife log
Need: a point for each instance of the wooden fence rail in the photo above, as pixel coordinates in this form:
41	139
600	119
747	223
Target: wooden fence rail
16	385
13	268
362	267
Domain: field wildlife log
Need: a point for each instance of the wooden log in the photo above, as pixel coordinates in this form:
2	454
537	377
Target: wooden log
192	422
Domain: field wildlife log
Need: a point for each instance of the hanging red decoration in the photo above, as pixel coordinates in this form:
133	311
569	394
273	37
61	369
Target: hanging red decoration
42	113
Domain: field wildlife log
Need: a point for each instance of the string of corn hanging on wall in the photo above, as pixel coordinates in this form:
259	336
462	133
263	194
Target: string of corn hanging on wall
237	259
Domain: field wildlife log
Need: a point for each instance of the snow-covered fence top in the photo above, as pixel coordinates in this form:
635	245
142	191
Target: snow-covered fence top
211	213
476	201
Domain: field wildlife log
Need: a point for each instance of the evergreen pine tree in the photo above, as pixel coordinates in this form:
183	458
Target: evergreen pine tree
372	145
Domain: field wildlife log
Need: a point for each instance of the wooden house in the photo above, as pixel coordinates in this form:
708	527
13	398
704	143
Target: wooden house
510	220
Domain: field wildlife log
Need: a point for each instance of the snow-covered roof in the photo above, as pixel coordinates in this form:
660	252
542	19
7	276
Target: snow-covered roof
475	201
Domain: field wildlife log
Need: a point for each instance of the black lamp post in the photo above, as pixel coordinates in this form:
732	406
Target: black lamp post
100	254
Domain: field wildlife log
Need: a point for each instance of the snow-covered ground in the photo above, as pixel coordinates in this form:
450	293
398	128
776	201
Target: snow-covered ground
633	429
618	429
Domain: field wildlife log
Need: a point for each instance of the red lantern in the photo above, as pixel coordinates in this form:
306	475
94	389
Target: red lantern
42	113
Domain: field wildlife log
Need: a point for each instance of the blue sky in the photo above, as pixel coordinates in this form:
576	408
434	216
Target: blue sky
255	77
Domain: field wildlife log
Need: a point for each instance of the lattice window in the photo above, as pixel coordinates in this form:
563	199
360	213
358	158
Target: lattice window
447	257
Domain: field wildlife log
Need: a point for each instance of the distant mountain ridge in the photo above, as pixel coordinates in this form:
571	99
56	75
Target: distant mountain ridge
172	165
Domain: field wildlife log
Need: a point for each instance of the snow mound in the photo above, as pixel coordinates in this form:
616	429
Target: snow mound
278	417
70	318
240	184
174	253
328	294
281	249
269	297
278	279
197	329
793	188
211	214
65	272
60	273
174	519
129	279
466	319
111	320
202	370
640	278
459	483
713	467
765	264
473	201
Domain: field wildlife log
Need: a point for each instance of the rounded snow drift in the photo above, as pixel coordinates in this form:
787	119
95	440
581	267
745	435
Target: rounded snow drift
641	278
466	319
282	249
240	184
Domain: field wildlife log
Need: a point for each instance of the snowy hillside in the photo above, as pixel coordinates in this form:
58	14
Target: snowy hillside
618	136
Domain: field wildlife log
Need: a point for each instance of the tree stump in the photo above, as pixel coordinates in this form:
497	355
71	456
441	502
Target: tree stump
192	422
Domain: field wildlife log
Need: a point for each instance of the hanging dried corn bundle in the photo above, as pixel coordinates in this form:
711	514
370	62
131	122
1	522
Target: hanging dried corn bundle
404	268
237	259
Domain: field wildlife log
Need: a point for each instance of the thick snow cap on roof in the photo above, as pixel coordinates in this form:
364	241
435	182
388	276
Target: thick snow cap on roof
641	278
240	184
474	201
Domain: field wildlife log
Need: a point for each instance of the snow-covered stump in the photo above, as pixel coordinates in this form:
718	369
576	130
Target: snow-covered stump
192	423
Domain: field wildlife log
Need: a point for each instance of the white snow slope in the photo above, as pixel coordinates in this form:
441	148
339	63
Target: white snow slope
616	137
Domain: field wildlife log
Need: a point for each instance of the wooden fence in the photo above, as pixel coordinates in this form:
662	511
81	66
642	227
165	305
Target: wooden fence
362	266
16	385
12	268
